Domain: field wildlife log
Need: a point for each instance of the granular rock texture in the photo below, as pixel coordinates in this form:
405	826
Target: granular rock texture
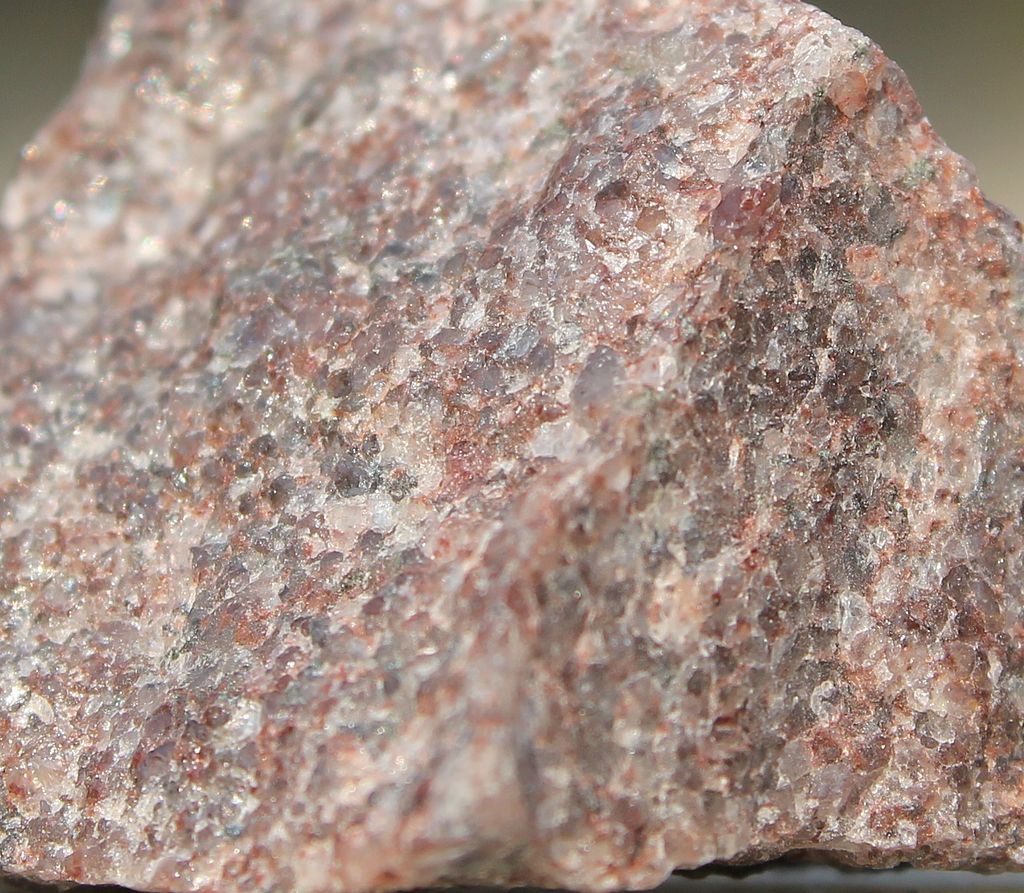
524	441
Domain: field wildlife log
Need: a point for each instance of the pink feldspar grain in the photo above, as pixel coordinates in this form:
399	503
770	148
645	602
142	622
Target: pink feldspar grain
498	441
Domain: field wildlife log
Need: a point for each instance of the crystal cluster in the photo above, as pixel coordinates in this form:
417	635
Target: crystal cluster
510	441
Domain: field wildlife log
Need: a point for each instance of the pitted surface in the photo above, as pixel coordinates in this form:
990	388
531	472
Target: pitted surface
516	442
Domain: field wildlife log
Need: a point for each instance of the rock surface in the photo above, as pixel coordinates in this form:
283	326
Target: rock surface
543	442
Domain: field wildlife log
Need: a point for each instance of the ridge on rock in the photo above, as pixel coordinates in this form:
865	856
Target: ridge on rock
473	441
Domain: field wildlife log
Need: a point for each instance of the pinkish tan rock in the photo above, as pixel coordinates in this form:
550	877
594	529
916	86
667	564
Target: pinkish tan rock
544	442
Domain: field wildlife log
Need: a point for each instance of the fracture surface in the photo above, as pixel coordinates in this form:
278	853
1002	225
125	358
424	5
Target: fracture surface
512	441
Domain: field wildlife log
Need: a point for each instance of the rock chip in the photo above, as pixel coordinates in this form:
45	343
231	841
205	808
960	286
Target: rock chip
511	441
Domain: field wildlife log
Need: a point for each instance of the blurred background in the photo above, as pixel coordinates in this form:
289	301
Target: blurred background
42	43
966	60
965	57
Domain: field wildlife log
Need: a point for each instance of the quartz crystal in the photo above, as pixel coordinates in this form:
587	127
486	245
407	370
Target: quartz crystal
508	441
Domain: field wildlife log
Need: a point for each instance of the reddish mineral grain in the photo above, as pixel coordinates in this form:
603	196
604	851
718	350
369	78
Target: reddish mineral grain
512	441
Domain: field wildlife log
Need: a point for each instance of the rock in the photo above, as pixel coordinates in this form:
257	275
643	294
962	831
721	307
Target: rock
517	442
